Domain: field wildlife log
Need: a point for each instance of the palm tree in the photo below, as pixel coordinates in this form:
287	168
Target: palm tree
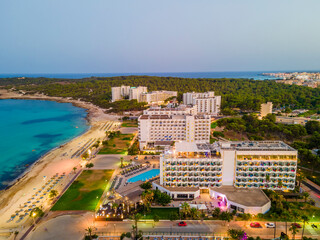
294	230
155	219
305	195
74	169
300	177
194	213
286	216
274	216
115	207
136	217
53	194
147	197
185	209
89	230
295	215
305	220
16	234
121	162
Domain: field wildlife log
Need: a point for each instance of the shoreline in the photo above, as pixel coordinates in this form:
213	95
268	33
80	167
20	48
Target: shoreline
52	161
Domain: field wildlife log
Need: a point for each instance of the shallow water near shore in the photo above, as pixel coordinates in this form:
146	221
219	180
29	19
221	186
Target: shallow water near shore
31	128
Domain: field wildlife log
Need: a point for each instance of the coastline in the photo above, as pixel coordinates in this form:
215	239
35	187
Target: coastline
51	162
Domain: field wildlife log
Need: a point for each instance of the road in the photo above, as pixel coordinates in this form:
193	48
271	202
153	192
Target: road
63	227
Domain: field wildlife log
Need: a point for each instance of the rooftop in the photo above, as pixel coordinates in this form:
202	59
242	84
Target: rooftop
196	147
245	197
257	146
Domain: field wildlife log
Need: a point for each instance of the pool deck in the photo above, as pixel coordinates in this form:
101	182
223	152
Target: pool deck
122	180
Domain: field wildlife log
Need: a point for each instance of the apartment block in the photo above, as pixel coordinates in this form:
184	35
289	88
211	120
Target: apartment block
161	129
157	96
127	92
206	102
136	92
266	108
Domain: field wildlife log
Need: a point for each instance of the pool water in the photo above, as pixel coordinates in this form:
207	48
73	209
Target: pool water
145	176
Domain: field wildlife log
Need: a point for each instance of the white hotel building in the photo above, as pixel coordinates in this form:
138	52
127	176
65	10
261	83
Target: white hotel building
233	171
206	102
127	92
161	127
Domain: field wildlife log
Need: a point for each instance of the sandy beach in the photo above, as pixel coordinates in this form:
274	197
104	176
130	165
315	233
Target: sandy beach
56	161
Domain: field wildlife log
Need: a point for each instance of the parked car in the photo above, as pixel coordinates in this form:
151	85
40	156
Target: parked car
255	225
270	225
182	224
297	225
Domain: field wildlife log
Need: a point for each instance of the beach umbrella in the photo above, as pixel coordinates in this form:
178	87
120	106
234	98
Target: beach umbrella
13	215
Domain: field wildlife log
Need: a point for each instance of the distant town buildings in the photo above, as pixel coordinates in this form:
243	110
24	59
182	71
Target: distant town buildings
206	103
309	79
265	109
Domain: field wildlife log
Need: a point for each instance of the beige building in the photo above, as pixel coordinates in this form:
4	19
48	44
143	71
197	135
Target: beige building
136	92
266	108
119	93
206	102
157	96
294	120
127	92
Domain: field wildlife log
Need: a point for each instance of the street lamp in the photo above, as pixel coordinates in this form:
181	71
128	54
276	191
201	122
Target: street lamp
33	217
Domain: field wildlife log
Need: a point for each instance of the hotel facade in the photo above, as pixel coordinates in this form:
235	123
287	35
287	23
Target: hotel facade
234	170
160	127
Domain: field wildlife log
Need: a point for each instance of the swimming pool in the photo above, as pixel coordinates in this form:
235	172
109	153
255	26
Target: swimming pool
144	176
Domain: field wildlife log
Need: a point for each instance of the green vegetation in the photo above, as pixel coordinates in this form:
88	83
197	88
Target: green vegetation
130	123
85	192
117	144
255	129
285	211
236	93
134	149
214	125
162	213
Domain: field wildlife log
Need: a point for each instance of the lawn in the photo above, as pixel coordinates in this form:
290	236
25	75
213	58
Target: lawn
85	192
163	213
117	145
129	124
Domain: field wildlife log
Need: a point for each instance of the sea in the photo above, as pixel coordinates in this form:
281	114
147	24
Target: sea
31	128
250	75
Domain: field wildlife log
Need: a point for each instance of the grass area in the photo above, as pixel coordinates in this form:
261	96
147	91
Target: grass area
163	213
129	124
117	145
85	192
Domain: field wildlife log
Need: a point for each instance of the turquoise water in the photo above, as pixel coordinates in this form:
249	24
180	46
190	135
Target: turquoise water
145	176
31	128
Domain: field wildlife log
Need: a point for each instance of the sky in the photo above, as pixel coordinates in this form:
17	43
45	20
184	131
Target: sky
121	36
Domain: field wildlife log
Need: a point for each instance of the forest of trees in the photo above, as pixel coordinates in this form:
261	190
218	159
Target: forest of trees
245	94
